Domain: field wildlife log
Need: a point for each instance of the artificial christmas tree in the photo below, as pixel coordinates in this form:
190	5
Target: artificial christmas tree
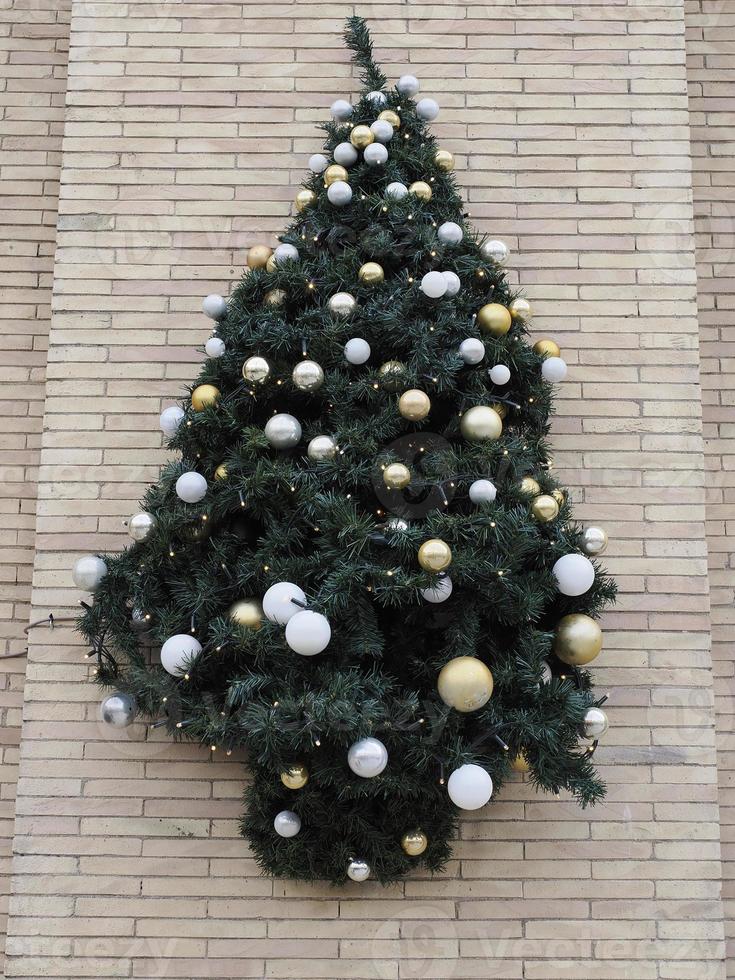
362	570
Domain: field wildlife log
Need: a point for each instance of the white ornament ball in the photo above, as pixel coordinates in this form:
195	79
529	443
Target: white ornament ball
408	85
345	154
357	351
382	130
367	758
140	525
88	572
308	633
453	283
554	369
191	487
318	163
470	787
277	602
483	492
500	374
170	420
214	306
339	193
285	252
495	251
472	350
283	431
377	98
449	233
427	109
375	155
434	285
341	110
439	592
287	823
178	652
574	574
214	347
396	191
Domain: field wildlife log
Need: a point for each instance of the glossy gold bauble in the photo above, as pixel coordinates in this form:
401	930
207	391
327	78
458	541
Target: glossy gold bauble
221	472
500	408
481	424
414	842
494	319
414	405
520	308
547	348
559	497
271	265
334	172
371	273
444	160
421	189
435	555
275	297
203	396
304	199
361	136
544	508
520	763
295	776
594	540
256	369
308	375
465	684
247	612
258	256
391	117
578	639
529	486
396	476
391	375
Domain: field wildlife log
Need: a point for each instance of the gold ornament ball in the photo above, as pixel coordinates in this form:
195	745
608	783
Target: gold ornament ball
547	348
594	540
203	396
544	508
414	842
578	639
414	405
520	308
308	376
500	408
361	136
371	273
421	189
444	160
520	763
481	424
295	776
391	117
390	375
396	476
334	172
247	612
221	472
494	319
559	497
435	555
304	199
465	684
529	486
256	369
258	256
270	265
275	297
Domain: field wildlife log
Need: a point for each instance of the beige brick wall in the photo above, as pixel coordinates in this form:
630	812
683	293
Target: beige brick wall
187	129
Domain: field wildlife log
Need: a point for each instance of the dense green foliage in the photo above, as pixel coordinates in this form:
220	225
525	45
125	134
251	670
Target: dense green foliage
280	516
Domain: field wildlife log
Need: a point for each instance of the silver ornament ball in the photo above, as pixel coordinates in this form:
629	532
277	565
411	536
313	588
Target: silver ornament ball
408	85
118	710
358	870
341	110
427	109
382	130
88	572
285	252
396	191
341	304
140	525
339	193
138	620
287	823
214	306
449	233
321	447
367	757
595	723
495	251
376	98
214	347
283	431
308	376
318	163
375	155
472	350
357	351
594	540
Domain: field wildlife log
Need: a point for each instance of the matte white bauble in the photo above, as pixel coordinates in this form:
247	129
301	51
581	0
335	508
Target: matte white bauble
170	420
574	574
434	285
427	109
88	572
283	431
453	283
357	351
375	155
483	492
554	369
472	350
214	347
308	633
377	98
278	605
178	652
449	233
345	154
215	306
396	191
470	787
339	193
500	374
191	487
140	525
495	251
341	110
439	592
318	163
382	130
367	758
408	85
287	823
285	252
